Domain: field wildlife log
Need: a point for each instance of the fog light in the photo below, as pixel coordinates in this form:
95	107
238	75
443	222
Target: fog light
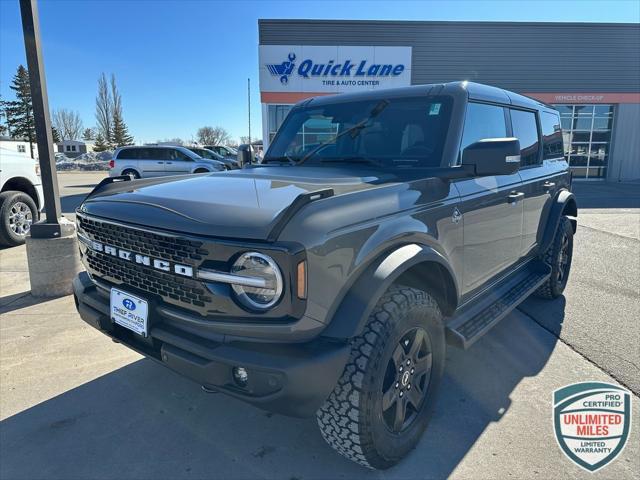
240	376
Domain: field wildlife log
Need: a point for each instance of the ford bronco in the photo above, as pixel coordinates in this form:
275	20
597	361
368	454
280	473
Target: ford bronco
380	228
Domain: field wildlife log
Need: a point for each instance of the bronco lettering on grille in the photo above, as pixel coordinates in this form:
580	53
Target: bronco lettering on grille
158	264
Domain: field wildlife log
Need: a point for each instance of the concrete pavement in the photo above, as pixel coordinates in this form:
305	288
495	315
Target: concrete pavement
75	405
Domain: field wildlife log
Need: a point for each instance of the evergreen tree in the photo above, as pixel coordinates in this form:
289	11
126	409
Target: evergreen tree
119	132
55	135
19	112
3	126
100	144
88	134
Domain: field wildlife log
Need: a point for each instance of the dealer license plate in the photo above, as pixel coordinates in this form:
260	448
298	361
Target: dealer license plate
129	311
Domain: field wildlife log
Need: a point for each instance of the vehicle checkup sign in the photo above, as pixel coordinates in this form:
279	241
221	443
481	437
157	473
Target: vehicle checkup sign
129	311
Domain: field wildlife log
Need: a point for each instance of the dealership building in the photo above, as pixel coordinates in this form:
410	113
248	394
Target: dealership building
590	72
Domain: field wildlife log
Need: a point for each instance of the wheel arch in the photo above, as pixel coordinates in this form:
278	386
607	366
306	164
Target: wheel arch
21	184
564	204
413	265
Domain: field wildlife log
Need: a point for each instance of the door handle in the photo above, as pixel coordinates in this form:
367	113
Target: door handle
515	197
548	186
161	163
169	163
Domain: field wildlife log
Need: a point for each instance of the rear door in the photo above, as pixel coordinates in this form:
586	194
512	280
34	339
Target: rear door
491	206
151	162
534	175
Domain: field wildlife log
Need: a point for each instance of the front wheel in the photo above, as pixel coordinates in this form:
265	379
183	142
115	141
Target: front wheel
381	405
17	212
558	256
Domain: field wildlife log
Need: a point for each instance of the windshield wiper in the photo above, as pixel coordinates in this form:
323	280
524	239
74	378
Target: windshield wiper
370	161
354	130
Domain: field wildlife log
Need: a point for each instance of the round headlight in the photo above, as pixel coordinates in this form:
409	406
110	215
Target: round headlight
263	287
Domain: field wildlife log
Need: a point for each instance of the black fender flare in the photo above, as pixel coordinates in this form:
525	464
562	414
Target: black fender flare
353	311
563	204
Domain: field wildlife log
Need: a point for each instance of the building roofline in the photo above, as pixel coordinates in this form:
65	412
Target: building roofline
443	22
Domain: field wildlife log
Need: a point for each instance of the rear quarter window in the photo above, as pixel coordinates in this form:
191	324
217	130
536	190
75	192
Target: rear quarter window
128	154
552	146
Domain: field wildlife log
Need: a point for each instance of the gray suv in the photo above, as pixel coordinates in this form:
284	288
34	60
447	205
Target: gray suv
381	229
158	161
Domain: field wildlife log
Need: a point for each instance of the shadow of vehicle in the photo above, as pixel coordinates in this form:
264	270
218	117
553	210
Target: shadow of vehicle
142	421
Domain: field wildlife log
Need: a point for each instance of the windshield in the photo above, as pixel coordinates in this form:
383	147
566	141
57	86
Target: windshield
391	132
204	153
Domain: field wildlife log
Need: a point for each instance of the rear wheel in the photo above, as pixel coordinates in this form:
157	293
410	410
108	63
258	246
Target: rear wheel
201	170
382	403
132	173
17	212
558	256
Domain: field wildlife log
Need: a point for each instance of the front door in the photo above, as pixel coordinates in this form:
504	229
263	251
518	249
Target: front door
177	162
491	206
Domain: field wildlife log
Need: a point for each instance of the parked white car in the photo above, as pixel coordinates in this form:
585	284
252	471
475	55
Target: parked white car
21	198
159	160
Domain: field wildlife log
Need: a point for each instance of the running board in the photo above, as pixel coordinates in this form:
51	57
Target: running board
474	321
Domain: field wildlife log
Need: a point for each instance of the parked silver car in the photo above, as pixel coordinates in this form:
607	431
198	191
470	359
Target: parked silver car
159	160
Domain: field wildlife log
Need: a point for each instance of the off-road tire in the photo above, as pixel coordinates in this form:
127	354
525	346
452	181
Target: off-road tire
132	173
556	283
8	237
351	419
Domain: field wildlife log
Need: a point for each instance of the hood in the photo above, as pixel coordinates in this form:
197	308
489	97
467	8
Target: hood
240	204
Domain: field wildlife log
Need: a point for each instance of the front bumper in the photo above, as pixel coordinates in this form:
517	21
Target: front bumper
291	379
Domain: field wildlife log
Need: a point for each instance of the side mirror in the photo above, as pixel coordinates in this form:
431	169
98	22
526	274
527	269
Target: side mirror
245	155
493	156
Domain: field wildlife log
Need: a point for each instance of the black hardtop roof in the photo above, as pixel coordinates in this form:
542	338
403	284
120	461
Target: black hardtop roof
462	90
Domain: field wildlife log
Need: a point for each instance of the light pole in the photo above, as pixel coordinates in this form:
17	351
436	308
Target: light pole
52	250
50	228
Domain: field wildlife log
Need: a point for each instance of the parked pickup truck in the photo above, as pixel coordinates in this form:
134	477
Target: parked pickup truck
329	280
21	196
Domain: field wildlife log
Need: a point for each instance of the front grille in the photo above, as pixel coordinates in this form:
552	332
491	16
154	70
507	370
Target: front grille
170	287
140	241
175	289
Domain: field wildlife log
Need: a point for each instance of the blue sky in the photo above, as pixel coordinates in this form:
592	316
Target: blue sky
184	64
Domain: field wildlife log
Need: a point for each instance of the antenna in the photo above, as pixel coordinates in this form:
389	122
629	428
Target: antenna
249	108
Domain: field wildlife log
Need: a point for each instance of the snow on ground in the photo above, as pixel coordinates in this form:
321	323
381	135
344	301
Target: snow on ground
86	161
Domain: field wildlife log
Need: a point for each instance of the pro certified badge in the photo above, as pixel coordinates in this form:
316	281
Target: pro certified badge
592	422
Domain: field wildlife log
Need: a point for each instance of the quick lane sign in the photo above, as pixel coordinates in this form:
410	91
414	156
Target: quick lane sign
333	69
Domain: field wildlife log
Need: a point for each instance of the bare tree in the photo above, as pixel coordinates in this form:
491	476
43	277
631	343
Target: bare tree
213	136
104	112
67	123
244	139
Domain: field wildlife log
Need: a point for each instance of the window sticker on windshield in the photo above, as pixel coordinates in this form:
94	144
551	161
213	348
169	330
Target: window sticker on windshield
434	109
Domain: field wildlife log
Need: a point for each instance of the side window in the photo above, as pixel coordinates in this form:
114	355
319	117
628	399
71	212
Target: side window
552	146
178	155
525	129
482	121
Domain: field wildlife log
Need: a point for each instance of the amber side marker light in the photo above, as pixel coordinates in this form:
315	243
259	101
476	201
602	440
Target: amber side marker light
302	280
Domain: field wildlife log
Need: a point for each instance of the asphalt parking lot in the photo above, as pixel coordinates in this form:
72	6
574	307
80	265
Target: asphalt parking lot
75	405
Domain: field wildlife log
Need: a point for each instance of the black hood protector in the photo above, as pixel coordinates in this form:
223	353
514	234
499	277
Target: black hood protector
250	204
